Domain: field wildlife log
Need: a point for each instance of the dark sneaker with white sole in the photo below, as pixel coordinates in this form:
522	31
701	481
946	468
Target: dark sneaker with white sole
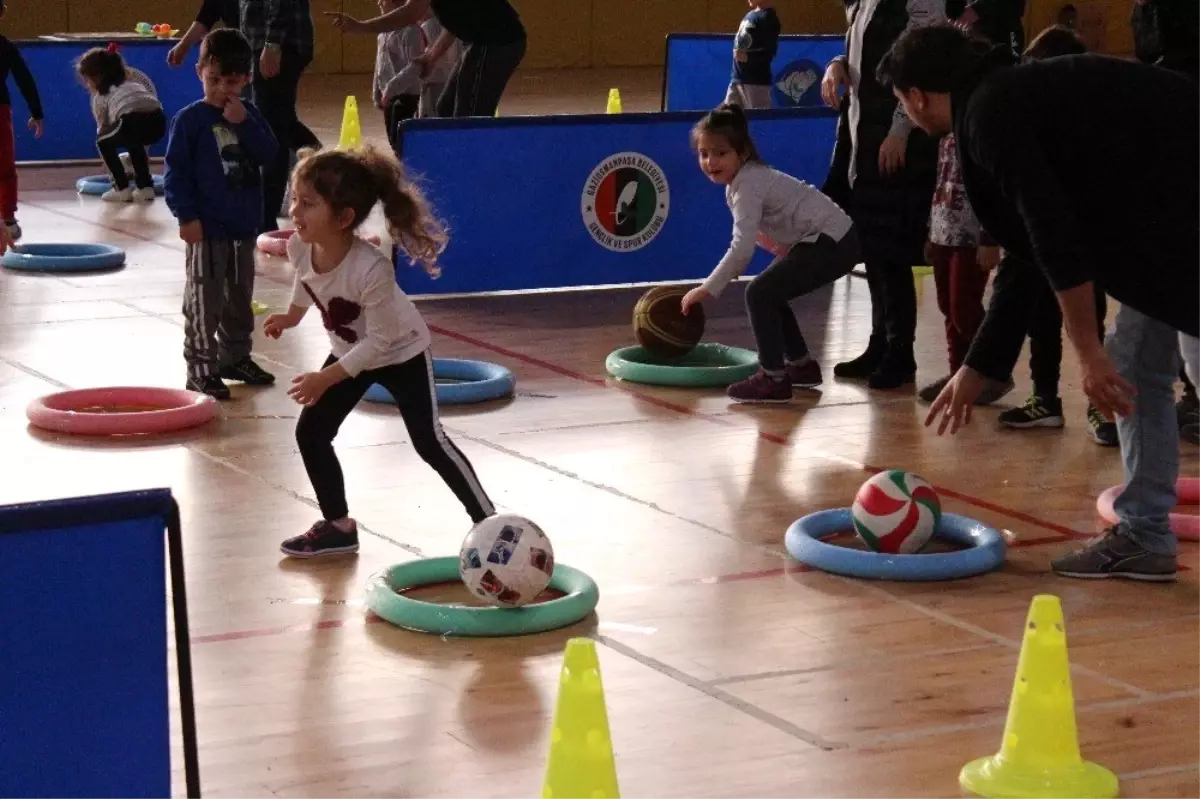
323	538
1102	431
761	387
1114	555
210	385
930	392
1036	412
804	375
248	372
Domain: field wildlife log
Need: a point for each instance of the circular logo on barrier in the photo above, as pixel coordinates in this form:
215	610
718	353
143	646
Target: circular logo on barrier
798	84
625	202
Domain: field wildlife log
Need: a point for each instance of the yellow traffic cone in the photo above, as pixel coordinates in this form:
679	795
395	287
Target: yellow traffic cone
580	763
1039	756
614	101
351	135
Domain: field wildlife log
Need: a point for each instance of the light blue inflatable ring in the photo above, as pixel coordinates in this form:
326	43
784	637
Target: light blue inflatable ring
476	381
985	550
95	185
56	257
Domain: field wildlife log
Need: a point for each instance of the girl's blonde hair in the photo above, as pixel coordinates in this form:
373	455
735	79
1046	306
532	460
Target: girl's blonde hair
359	178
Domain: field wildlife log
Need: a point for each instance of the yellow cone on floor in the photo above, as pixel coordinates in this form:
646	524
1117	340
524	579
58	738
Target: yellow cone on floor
351	135
614	101
1039	756
580	764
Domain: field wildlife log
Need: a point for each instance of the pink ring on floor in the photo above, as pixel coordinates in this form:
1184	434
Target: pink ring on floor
1186	526
121	411
274	242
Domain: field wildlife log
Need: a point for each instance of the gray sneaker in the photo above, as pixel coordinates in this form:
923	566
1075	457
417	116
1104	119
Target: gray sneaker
995	391
1114	555
930	392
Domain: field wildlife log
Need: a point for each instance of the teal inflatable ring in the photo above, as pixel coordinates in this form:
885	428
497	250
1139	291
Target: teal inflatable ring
385	600
95	185
706	366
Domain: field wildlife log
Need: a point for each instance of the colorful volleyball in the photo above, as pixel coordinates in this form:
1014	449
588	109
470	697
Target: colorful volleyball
896	512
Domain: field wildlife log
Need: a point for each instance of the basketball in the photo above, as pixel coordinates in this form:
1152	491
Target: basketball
896	512
506	560
661	327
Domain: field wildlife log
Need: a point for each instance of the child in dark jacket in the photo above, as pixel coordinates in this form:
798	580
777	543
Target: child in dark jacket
216	149
12	63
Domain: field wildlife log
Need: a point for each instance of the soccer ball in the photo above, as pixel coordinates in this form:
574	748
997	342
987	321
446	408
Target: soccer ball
896	512
506	560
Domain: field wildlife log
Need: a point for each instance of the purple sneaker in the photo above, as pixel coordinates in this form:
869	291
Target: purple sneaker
804	375
762	387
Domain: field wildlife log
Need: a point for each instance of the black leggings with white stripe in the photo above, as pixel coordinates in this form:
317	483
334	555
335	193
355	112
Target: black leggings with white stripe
411	383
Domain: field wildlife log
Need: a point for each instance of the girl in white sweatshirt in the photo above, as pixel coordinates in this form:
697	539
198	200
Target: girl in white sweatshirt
128	115
814	242
375	332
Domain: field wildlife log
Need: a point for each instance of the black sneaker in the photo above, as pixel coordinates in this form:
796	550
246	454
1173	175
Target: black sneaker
1114	555
860	368
892	374
930	392
1102	431
210	385
248	372
1036	412
323	538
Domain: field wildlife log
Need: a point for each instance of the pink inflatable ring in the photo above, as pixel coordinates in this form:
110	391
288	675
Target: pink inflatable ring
274	242
1186	526
121	411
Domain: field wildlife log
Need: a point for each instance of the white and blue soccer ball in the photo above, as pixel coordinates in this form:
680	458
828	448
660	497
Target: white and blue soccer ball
506	560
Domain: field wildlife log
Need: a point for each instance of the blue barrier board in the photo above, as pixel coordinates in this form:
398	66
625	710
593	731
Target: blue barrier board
697	68
554	202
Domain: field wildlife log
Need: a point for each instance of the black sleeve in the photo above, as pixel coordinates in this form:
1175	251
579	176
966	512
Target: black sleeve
23	77
214	11
998	342
999	136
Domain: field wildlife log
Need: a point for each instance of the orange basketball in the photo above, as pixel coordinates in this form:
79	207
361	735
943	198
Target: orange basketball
661	327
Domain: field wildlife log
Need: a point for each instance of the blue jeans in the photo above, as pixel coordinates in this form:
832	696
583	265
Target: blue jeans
1146	353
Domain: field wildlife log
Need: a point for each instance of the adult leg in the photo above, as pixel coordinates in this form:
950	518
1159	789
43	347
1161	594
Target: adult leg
412	385
276	100
1045	343
445	101
1142	546
898	365
318	425
860	368
482	76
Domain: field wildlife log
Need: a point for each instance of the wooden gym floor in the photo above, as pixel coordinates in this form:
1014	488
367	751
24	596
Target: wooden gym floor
729	669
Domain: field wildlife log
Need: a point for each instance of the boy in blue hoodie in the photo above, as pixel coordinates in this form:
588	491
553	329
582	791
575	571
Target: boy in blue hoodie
213	187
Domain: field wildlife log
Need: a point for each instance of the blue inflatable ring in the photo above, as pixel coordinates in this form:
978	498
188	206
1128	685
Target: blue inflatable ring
480	381
96	185
985	550
63	257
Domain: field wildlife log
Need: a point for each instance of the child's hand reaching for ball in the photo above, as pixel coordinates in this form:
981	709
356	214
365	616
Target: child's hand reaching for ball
693	297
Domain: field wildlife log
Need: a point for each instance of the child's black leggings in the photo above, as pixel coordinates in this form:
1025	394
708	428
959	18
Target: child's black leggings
805	267
135	132
411	384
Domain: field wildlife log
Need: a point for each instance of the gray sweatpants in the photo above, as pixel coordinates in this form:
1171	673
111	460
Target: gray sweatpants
218	318
748	95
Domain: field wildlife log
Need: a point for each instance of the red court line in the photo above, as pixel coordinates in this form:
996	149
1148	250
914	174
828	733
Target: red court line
1064	533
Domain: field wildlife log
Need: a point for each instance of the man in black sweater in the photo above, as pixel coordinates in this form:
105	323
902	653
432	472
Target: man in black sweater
1084	166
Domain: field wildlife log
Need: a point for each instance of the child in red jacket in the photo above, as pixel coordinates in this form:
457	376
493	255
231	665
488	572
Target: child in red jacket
11	62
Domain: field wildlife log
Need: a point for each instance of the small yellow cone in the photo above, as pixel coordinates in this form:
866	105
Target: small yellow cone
351	135
1039	756
614	101
580	764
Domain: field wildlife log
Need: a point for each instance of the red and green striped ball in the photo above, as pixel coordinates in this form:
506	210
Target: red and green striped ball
896	512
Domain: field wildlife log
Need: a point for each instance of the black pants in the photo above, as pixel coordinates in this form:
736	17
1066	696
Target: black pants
275	98
893	311
806	267
412	385
399	109
134	132
479	79
1045	339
